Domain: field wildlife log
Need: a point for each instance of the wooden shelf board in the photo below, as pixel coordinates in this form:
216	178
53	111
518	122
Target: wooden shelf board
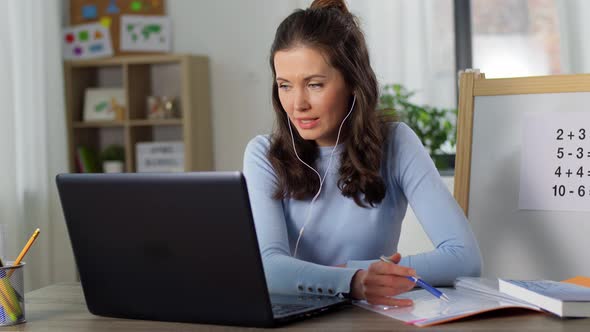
155	122
97	124
127	59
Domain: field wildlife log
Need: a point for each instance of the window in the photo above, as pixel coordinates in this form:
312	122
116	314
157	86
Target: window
515	37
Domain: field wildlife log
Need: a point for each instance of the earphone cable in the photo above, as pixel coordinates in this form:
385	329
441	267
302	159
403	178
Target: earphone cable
309	210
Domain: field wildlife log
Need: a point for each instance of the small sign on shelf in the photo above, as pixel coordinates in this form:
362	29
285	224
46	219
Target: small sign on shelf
160	157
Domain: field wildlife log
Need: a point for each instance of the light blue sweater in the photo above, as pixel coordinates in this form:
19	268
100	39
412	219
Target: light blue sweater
342	232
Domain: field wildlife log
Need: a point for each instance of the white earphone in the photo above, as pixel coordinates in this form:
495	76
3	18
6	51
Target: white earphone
307	219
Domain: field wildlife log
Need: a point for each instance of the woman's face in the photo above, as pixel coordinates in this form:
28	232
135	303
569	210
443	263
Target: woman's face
312	92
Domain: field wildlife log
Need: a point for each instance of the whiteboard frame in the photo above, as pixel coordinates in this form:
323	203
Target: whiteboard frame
473	84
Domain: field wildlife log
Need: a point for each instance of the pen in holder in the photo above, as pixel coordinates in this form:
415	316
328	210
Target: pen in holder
12	301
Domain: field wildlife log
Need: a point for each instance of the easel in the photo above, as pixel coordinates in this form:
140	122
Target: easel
517	242
473	84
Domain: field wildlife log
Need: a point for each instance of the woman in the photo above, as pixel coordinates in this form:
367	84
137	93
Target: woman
330	187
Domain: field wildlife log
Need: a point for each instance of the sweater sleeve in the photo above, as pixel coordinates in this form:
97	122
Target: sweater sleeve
284	274
456	250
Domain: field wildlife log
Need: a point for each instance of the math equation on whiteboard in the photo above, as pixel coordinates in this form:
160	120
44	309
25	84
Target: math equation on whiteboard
560	190
555	161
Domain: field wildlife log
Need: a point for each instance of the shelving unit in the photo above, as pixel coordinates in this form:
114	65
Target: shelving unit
183	76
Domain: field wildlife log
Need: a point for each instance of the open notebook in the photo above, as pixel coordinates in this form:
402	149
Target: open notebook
471	296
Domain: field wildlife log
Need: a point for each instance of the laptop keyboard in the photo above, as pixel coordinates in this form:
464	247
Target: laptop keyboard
284	309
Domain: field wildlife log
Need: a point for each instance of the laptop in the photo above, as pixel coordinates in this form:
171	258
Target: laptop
173	247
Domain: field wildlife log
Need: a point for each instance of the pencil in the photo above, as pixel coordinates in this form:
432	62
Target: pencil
25	249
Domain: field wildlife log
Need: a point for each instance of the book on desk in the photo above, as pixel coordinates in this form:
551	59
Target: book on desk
470	297
560	298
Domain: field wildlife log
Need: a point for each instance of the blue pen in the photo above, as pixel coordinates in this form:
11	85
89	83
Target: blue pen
422	283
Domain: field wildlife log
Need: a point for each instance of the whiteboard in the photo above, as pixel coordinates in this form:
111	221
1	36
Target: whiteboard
521	244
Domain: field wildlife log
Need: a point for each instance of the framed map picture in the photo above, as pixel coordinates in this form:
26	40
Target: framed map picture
145	33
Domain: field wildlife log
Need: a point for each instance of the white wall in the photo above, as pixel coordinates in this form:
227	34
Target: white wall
236	35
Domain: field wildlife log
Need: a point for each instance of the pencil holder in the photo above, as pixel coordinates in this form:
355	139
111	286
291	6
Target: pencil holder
12	300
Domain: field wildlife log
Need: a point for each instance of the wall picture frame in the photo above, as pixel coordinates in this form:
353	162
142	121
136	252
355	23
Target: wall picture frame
86	41
141	33
104	104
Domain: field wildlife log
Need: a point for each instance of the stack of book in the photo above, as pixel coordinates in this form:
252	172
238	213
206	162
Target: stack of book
87	160
565	299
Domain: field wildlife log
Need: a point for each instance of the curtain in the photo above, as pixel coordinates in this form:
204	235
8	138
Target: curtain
33	139
574	27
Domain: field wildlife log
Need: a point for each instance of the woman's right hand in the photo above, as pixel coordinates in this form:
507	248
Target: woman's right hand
381	281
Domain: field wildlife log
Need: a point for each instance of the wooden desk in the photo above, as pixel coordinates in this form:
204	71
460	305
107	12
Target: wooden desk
61	307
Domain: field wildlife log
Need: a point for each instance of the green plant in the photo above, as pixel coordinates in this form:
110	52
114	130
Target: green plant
432	125
113	152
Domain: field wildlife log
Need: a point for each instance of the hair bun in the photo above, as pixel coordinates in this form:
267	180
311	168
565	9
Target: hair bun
339	4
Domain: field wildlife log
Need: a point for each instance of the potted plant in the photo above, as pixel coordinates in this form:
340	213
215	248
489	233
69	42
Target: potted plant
432	125
113	159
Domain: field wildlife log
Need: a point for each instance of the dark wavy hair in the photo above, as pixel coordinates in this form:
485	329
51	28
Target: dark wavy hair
330	28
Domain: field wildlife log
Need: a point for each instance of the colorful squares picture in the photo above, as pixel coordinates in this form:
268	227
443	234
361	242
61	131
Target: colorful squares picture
87	41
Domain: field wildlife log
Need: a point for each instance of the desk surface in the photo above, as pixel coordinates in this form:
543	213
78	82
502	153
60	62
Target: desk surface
61	307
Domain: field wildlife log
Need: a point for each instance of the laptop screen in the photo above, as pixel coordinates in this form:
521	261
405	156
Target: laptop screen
176	246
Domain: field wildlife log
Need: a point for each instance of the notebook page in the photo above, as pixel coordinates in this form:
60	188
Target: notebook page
428	310
485	286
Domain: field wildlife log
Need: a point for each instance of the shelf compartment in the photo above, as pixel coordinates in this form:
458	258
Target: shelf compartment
158	79
78	79
141	134
96	140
